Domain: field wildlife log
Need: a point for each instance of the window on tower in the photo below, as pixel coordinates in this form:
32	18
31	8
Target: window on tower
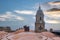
40	18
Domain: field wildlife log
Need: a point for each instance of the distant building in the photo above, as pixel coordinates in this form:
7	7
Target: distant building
7	29
51	30
26	28
39	24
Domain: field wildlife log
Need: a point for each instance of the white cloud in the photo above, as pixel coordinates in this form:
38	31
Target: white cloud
28	12
55	14
7	15
52	17
54	3
52	21
10	17
2	19
19	18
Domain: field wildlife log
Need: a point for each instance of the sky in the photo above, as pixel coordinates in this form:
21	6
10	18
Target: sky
17	13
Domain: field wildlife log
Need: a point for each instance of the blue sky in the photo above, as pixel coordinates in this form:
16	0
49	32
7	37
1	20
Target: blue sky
17	13
10	5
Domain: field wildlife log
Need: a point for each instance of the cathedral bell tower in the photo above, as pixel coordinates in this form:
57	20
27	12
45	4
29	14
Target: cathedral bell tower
39	24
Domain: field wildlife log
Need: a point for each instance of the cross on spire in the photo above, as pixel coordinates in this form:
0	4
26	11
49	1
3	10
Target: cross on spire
39	7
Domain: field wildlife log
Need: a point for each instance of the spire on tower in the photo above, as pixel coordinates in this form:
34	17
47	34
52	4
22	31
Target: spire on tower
39	7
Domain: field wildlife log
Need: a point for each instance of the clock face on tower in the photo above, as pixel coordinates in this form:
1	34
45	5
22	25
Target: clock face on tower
40	21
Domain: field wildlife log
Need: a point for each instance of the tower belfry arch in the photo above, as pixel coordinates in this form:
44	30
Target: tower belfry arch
39	24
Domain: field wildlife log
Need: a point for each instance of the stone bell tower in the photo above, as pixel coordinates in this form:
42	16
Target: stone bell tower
39	24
